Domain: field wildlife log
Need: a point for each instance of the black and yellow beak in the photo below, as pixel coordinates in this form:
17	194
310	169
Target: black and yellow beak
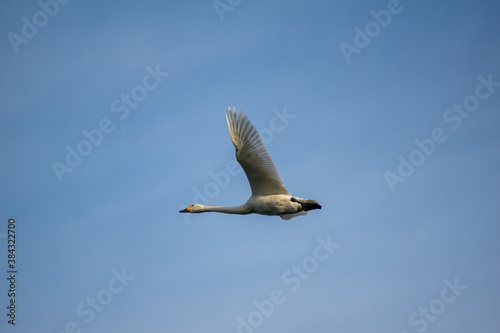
186	210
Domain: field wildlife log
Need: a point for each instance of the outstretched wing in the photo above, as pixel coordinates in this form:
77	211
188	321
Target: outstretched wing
261	172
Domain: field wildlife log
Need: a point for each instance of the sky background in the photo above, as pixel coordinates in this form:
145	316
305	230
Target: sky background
349	123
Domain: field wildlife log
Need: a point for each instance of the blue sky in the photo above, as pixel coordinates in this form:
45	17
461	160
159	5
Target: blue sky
103	248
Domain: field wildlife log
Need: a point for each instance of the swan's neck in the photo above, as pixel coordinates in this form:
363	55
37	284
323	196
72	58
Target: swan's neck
227	210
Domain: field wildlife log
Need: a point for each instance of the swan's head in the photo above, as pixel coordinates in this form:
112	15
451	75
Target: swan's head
196	208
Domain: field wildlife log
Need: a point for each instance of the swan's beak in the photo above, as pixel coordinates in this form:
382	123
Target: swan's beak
186	210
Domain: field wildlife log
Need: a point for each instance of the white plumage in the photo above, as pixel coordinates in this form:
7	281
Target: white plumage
269	194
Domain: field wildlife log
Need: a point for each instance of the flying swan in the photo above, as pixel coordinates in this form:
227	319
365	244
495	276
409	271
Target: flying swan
269	194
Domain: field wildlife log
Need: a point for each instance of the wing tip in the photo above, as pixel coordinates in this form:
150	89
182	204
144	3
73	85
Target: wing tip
231	115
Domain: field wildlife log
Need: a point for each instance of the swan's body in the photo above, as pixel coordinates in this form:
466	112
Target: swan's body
269	194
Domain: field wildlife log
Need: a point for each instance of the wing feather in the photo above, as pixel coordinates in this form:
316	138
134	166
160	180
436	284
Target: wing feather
253	157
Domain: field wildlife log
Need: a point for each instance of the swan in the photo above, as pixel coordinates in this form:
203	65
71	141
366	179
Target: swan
269	194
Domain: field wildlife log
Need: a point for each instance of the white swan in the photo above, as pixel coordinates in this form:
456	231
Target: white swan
269	194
